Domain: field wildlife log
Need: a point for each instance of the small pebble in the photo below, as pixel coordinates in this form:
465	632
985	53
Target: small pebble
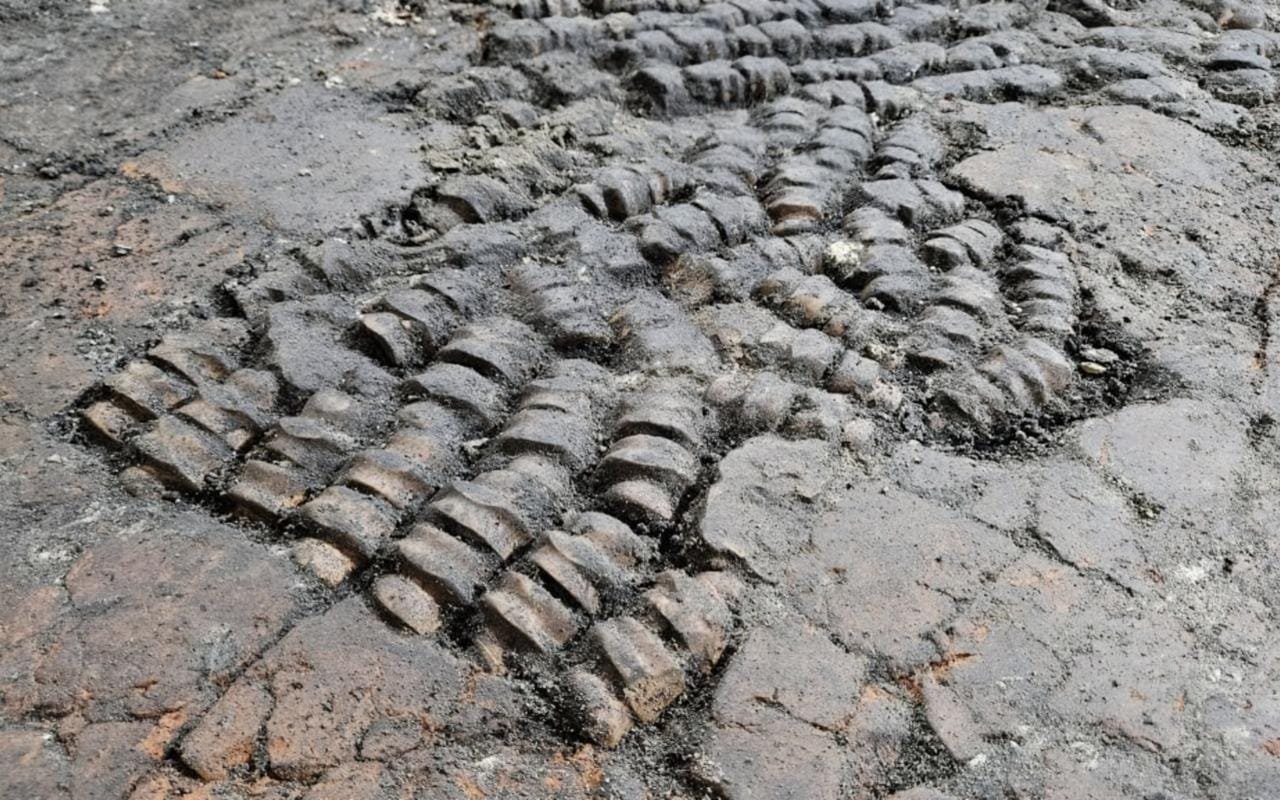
845	254
1099	355
859	435
1092	368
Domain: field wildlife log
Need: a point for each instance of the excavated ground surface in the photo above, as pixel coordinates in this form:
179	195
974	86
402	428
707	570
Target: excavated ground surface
639	399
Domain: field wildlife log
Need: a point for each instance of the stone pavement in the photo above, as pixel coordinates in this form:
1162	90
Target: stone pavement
639	399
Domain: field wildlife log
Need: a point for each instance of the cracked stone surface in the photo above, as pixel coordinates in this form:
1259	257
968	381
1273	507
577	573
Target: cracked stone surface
662	399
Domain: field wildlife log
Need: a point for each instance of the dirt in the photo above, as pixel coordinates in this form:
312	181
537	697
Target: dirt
638	399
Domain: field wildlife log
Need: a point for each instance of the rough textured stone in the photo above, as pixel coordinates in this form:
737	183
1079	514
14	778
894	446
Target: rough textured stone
35	765
791	666
1182	455
757	482
779	757
338	677
352	781
107	757
883	569
227	735
1092	524
786	696
204	600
